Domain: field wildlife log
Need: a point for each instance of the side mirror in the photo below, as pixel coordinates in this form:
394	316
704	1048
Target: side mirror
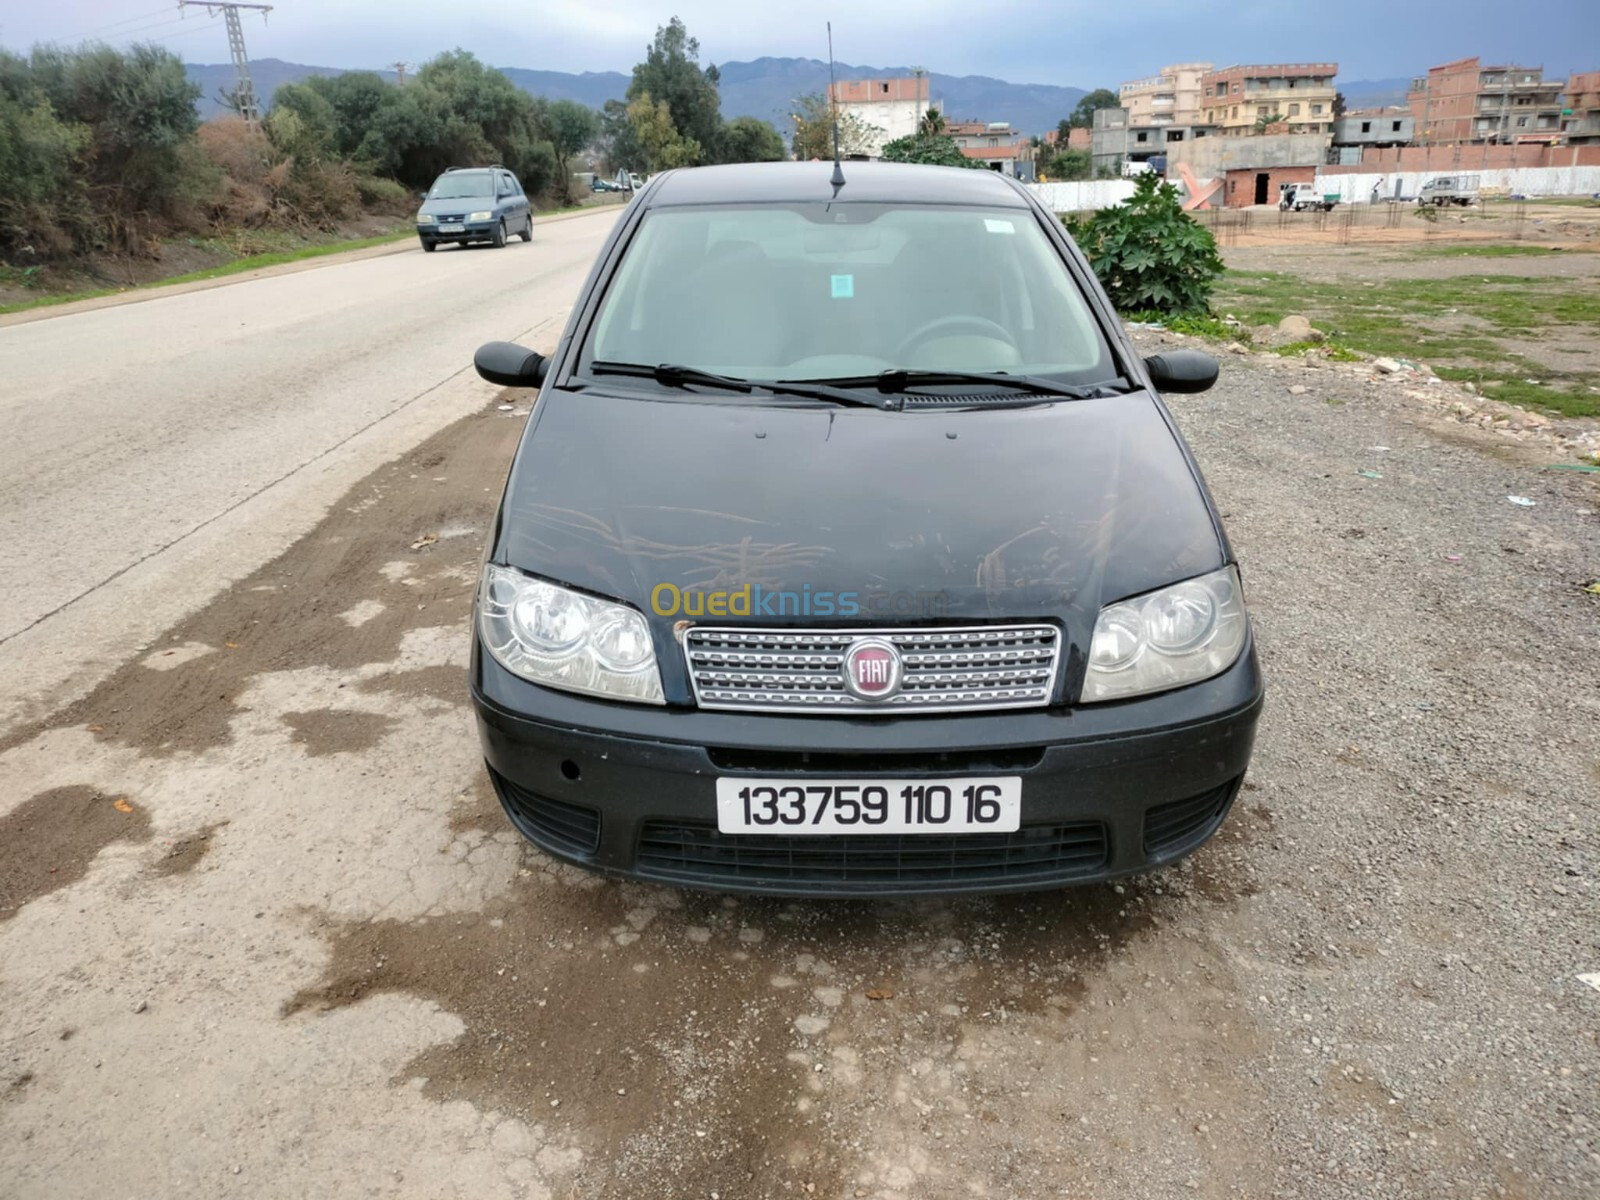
1182	371
423	195
510	365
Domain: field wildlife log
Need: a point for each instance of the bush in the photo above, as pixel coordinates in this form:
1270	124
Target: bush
385	195
1149	254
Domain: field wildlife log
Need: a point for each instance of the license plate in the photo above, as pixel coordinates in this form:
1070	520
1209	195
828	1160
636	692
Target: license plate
452	229
821	806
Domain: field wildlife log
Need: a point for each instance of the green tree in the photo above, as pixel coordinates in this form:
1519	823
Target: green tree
660	142
138	106
812	136
44	204
670	74
1071	164
931	123
1149	254
1265	119
1083	116
749	139
572	128
620	147
934	149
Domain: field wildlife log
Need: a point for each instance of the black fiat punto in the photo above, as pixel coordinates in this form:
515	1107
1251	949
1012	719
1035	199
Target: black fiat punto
850	550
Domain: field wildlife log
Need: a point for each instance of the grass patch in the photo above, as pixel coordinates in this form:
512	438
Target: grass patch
1458	321
250	262
1186	323
1492	250
1566	395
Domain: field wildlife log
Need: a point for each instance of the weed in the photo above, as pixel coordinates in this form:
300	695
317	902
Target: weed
1331	350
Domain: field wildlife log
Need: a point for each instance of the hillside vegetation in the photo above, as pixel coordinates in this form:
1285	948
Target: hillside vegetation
101	150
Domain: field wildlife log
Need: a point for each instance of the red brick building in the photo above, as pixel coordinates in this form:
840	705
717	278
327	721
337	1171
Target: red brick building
1580	117
1464	101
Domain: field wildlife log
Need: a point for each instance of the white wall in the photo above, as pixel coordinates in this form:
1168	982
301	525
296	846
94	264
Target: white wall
1525	181
894	119
1084	194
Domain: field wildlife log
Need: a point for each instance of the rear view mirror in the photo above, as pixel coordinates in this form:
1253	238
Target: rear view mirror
510	365
1182	371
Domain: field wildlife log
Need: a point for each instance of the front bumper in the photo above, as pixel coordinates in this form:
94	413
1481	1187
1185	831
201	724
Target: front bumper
1107	789
471	231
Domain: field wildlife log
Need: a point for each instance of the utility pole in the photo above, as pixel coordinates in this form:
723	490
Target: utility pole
400	73
244	91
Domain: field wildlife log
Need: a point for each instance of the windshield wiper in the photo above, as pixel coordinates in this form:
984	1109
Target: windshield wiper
672	375
901	380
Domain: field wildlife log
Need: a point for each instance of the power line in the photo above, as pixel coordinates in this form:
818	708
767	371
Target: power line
122	34
103	30
244	91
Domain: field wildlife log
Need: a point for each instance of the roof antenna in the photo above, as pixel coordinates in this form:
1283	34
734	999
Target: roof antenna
833	114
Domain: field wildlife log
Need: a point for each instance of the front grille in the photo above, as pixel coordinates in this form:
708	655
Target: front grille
988	761
944	669
694	852
553	824
1175	826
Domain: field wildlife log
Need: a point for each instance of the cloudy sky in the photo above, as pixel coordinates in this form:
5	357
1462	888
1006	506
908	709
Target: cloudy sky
1079	43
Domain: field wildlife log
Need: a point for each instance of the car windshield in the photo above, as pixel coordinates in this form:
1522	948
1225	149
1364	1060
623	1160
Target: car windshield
461	187
832	291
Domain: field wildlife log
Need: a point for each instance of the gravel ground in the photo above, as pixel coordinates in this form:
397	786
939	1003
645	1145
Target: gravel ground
313	959
1431	757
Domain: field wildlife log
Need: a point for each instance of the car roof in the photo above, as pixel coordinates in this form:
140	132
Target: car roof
864	183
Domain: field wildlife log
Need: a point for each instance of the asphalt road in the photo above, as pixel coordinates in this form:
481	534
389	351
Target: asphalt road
154	451
264	931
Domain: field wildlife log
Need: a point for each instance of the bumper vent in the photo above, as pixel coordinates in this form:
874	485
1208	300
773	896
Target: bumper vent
553	824
1179	825
944	670
698	853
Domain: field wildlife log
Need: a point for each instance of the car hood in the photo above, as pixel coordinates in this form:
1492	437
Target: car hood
1047	512
461	204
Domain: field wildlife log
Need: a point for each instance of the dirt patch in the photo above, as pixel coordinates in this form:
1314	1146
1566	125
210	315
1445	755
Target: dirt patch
337	731
683	1036
288	614
49	840
186	851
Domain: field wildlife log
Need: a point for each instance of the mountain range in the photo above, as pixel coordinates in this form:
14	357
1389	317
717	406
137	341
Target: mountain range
766	87
763	88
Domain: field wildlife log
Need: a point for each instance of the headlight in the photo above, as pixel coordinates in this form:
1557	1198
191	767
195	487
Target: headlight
427	219
1180	634
566	640
481	216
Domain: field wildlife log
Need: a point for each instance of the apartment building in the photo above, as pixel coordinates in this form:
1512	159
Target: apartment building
1170	98
1293	97
1580	115
994	144
1117	141
1465	101
892	106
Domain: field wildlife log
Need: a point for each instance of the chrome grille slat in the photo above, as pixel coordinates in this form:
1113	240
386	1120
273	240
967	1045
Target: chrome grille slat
970	669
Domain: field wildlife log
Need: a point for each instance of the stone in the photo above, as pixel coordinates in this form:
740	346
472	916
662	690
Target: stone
1385	366
1294	329
1299	389
1236	348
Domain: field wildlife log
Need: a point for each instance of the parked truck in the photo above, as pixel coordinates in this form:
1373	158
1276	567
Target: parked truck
1449	189
1303	196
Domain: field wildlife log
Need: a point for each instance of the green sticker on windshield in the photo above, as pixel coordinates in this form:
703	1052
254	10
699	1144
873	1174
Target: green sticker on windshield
844	287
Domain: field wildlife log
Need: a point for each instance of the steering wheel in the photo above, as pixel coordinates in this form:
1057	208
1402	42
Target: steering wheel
948	326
